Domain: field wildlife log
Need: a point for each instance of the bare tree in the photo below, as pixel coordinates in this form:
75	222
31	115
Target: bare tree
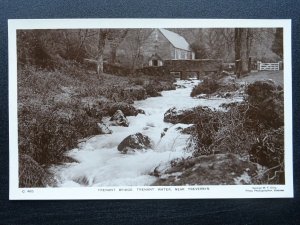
134	42
102	35
95	48
198	43
213	43
116	36
277	45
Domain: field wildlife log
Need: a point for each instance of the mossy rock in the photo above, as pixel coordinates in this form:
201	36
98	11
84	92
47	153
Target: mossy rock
31	174
226	169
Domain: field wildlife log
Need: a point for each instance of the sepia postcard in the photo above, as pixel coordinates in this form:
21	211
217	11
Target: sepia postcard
150	109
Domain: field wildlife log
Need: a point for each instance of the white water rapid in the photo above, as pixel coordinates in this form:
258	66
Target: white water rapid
101	164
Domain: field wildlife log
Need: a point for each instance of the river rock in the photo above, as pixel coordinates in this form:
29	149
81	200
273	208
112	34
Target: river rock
261	90
267	101
226	169
140	111
31	173
180	86
103	128
127	109
119	119
187	116
135	142
163	133
173	115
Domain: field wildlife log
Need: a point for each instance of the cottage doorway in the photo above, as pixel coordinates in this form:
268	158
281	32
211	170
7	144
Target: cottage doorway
154	62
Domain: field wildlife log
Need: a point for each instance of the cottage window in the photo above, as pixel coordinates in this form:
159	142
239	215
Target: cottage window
183	54
193	55
177	54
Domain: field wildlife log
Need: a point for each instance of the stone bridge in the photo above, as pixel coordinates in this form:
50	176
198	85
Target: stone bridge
202	67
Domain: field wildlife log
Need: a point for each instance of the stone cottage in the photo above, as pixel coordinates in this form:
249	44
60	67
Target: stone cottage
155	46
163	44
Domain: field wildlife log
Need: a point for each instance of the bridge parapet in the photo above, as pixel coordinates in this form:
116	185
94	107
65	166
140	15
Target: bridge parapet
202	67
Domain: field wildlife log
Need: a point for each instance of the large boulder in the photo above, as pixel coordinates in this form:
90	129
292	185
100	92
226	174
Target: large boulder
119	119
31	174
207	86
186	116
261	90
135	142
267	105
103	128
174	115
218	169
127	109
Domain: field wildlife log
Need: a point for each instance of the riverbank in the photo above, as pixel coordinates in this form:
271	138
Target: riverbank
157	138
242	144
56	108
100	163
275	76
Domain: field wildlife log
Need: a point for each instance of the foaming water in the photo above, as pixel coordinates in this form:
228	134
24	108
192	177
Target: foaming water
101	164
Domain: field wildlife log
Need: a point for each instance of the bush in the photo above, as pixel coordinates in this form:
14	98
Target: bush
252	129
204	130
155	86
268	150
58	107
187	116
232	136
152	90
46	134
31	174
138	81
208	86
266	105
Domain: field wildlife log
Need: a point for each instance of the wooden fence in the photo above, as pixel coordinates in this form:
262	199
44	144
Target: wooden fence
268	66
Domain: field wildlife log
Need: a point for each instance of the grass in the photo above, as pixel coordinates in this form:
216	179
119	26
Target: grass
251	129
58	107
276	76
206	170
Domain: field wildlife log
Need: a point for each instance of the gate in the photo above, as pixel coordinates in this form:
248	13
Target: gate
268	66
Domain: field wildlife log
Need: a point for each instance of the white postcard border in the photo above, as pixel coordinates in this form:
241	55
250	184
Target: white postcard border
144	192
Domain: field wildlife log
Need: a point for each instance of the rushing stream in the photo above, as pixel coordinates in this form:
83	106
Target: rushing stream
101	164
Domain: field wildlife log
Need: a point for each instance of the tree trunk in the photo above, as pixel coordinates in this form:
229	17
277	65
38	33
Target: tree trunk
116	37
241	51
244	52
101	44
82	40
100	64
113	54
237	42
249	45
249	65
